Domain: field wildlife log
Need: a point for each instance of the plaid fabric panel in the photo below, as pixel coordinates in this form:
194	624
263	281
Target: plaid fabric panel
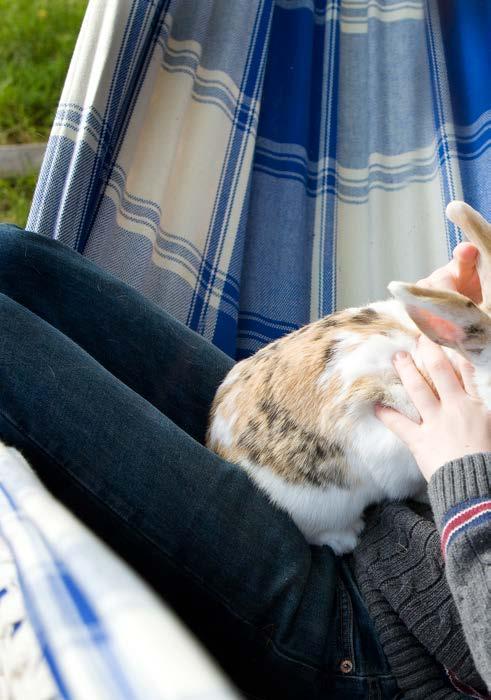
251	166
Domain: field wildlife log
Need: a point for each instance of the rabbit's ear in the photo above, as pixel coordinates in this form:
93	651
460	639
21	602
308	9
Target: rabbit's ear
446	317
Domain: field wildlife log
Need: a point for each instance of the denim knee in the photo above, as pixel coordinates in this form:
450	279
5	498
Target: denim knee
7	228
17	246
12	237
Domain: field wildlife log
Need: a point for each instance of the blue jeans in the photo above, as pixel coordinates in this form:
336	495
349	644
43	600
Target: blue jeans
107	396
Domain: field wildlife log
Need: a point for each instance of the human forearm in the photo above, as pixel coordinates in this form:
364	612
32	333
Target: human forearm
460	495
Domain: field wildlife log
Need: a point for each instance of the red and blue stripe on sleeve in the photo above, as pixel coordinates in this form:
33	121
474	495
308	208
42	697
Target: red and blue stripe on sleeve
464	517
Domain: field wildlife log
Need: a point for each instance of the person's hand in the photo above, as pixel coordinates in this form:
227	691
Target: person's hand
459	275
453	424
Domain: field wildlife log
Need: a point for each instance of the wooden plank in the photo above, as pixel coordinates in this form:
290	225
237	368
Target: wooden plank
21	159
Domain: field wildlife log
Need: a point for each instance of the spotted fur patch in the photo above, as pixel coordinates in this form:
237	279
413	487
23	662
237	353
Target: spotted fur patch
365	316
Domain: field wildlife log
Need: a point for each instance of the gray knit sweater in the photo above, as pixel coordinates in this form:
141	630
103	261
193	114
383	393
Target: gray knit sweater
428	589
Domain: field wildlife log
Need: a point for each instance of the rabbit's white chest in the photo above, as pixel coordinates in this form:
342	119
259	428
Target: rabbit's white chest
374	452
381	459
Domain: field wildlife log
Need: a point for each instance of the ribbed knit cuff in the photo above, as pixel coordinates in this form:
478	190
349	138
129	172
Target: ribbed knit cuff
458	481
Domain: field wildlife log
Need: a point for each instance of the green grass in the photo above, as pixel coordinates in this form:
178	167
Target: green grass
37	38
15	198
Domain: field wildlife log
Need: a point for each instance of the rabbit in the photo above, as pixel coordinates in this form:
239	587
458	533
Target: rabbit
298	415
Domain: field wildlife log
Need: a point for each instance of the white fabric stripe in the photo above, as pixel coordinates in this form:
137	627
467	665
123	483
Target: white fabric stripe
362	4
357	180
359	23
385	162
177	48
374	8
353	198
384	14
98	51
472	130
390	236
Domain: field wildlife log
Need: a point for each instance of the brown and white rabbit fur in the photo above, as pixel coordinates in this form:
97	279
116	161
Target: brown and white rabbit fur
298	416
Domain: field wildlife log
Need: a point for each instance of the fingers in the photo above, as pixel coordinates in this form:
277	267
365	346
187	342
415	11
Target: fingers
417	388
439	368
467	373
463	264
465	257
459	275
456	274
465	254
443	278
402	426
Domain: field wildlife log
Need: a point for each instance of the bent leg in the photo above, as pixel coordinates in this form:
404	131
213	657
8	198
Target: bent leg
237	571
169	365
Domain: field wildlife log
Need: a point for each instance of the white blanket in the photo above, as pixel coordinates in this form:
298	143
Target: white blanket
75	622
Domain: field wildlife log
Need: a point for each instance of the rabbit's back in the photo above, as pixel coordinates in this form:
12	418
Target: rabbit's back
294	405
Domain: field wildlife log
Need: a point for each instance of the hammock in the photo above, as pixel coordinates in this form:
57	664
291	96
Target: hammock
252	165
249	166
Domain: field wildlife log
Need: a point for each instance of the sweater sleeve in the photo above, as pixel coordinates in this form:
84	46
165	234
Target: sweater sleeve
460	495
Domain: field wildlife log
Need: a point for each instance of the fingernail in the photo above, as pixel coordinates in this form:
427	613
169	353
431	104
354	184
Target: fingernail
400	355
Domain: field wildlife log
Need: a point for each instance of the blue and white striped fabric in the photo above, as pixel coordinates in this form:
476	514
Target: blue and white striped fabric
255	164
75	623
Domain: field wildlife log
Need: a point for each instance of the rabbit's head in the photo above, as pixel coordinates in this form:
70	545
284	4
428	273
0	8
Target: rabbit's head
449	318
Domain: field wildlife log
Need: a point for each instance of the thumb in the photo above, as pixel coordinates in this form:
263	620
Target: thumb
466	254
440	279
400	425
